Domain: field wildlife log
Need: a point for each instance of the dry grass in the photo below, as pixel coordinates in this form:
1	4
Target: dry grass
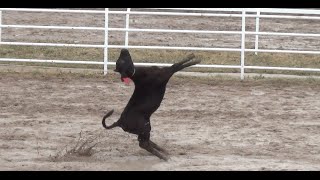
163	56
83	146
220	79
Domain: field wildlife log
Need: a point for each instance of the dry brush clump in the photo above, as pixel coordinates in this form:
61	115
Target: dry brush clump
82	147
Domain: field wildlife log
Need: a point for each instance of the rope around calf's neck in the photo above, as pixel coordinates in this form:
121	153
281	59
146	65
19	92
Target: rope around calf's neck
134	71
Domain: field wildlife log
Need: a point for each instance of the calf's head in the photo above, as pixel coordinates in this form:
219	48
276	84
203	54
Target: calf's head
124	66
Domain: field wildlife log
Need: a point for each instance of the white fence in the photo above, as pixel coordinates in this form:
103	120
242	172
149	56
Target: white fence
242	13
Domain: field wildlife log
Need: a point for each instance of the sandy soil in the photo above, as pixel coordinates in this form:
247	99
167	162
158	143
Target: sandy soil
205	125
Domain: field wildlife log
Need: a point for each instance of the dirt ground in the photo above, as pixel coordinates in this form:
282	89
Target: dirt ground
207	124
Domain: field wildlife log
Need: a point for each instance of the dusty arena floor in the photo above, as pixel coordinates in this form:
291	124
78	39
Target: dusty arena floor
205	123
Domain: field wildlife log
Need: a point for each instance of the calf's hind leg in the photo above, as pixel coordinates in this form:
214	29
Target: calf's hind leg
145	143
154	145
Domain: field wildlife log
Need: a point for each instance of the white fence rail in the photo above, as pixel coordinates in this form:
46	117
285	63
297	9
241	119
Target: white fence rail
242	13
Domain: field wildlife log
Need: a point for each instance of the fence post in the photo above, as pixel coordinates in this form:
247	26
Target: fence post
127	27
257	30
0	25
243	39
106	34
